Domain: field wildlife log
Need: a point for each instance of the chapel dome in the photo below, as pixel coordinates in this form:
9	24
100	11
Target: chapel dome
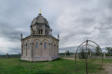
40	20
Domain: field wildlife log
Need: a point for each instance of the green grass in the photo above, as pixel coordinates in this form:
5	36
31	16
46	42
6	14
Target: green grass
107	60
61	66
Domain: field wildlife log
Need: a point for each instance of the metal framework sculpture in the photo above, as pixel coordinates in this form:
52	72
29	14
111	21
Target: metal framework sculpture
87	47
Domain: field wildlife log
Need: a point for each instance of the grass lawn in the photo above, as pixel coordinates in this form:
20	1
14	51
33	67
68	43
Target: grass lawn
60	66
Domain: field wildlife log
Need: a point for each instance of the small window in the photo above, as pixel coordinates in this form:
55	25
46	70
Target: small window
40	31
36	44
45	45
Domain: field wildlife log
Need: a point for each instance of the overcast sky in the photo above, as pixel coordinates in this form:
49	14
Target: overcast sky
74	20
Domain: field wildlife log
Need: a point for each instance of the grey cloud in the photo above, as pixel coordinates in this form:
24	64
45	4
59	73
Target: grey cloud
9	32
92	22
75	20
14	51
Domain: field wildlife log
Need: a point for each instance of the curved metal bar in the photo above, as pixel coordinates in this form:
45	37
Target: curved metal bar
77	50
88	45
93	42
100	49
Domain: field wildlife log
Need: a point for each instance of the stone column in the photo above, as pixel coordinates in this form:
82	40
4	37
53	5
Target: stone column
43	28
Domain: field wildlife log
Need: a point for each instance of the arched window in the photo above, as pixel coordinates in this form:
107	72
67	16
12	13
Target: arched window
45	45
36	45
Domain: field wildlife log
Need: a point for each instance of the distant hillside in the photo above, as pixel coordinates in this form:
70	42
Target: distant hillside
73	49
61	50
11	51
70	49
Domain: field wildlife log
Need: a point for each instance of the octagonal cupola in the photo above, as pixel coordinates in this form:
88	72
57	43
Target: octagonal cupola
40	26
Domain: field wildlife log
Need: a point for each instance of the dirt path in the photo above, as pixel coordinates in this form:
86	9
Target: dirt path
68	58
108	68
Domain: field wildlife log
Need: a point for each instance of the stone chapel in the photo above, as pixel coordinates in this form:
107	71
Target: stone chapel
40	45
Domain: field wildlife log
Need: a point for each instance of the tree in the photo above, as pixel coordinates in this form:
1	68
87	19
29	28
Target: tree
7	55
82	54
109	49
98	51
67	53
